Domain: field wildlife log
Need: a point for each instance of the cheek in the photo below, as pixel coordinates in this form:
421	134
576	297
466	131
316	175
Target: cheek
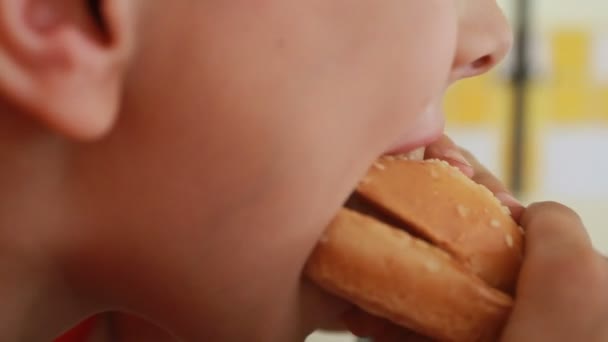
418	68
272	125
279	118
375	66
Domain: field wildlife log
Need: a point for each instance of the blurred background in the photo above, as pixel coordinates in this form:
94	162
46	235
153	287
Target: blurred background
540	120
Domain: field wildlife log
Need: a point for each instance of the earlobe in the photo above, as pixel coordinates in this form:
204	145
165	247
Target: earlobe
63	62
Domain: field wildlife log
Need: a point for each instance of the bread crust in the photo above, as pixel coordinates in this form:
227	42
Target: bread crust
456	287
443	205
389	273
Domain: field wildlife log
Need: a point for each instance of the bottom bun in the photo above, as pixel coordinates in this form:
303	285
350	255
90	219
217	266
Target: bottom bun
389	273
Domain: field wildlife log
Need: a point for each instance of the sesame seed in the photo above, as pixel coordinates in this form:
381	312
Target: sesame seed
420	243
509	240
495	223
379	166
462	210
434	174
432	266
389	158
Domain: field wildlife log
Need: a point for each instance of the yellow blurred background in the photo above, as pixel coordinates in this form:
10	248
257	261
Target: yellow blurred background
565	118
566	113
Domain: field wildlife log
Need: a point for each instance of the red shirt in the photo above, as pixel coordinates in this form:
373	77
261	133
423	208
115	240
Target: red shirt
80	333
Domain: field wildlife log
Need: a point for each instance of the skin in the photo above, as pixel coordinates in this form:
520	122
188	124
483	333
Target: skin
179	161
561	290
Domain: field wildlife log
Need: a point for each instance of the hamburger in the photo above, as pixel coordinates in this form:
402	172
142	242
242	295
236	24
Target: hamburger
420	244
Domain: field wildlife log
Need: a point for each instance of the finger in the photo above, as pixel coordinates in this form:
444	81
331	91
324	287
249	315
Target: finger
445	149
553	229
363	324
395	334
559	255
484	177
562	282
319	308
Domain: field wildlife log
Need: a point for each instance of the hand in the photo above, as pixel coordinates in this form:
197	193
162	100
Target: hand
446	149
365	325
562	293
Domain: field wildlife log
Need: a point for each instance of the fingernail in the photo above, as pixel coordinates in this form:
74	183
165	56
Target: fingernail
457	157
508	199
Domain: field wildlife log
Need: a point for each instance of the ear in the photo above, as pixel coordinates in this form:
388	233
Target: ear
64	61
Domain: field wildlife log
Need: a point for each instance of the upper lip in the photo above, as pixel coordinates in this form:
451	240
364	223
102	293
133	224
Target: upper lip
430	135
428	129
406	148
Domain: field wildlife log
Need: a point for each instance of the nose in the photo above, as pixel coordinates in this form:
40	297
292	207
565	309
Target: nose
484	38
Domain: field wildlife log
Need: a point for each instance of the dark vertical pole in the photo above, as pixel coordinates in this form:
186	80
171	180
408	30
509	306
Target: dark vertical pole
520	84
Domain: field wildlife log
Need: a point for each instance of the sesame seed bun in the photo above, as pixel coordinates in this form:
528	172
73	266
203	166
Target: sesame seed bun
426	248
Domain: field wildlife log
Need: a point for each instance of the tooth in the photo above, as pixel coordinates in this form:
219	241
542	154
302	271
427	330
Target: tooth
417	154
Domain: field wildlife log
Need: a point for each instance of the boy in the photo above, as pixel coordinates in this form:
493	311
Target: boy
178	160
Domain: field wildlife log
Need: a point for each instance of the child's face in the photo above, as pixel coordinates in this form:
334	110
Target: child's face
247	123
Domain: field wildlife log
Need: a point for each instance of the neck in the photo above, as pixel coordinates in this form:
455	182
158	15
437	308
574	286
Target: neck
37	301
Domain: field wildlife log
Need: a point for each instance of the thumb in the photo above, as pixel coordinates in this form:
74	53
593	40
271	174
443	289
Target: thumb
445	149
554	233
559	278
